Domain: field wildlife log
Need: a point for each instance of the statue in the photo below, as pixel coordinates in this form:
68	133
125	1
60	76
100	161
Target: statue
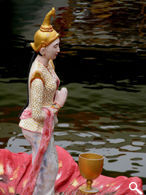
43	93
50	169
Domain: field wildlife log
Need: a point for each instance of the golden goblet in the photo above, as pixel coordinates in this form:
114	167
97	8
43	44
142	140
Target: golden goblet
90	165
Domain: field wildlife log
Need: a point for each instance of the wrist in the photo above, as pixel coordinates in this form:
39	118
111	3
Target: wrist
56	106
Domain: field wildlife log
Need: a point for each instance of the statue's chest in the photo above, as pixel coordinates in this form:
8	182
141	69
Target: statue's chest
50	82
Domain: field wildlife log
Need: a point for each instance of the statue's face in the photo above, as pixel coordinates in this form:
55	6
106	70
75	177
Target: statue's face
52	50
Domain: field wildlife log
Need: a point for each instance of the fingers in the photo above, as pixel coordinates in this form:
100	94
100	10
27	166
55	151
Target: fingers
61	96
64	91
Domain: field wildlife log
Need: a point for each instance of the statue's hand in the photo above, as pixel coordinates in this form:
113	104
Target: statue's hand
61	96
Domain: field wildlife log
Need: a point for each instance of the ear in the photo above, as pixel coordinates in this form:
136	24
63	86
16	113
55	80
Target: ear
42	51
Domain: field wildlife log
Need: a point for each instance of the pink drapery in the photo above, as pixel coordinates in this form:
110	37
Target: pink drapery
45	139
18	175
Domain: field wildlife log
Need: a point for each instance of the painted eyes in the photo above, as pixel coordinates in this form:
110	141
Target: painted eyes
55	46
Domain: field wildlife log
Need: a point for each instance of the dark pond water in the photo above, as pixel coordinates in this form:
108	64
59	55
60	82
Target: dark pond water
102	64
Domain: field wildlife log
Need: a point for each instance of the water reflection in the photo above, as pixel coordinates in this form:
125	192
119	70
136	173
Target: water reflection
106	121
97	22
94	34
103	23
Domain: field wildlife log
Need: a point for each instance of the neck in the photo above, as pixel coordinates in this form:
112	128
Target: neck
42	60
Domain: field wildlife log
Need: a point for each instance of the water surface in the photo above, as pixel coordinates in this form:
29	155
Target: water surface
98	118
102	63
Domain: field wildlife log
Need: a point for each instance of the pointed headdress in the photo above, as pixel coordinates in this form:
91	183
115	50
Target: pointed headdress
46	34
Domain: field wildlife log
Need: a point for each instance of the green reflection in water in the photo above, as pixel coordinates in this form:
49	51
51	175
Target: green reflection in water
109	120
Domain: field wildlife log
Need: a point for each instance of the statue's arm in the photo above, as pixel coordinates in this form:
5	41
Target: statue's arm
37	99
60	98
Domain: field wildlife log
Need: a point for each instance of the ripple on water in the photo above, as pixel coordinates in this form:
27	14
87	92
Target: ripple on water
84	134
138	143
130	148
143	136
136	164
110	127
141	121
116	141
95	143
63	125
112	160
18	143
64	143
95	134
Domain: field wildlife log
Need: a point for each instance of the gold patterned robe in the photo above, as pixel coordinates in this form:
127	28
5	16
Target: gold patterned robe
43	83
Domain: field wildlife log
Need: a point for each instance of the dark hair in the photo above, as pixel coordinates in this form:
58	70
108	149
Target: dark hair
34	55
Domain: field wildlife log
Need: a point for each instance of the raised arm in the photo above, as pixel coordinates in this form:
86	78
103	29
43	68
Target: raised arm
60	98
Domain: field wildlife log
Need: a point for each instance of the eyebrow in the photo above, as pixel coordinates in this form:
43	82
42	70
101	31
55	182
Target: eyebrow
56	43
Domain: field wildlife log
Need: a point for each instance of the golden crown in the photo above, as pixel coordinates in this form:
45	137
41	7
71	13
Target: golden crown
46	34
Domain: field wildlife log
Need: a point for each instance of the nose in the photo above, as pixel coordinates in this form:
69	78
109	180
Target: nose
58	50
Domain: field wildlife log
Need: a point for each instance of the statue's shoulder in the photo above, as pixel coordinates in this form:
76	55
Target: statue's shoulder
36	73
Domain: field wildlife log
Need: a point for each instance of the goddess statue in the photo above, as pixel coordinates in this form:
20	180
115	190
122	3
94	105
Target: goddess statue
44	95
